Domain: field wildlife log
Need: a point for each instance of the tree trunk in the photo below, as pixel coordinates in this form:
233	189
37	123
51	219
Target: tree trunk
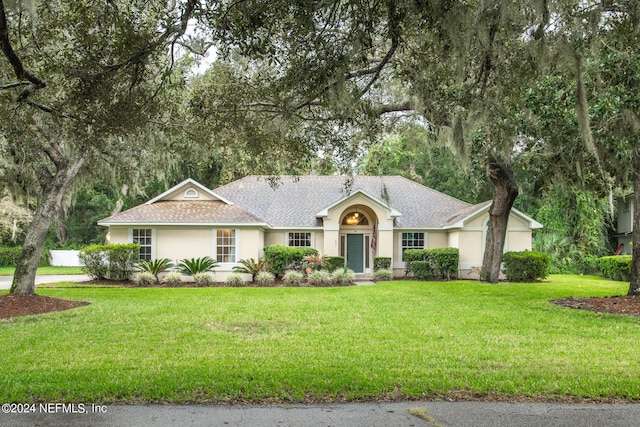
634	285
48	205
61	229
505	193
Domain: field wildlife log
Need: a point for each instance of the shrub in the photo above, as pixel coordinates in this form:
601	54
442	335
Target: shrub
193	266
332	263
265	278
155	266
292	278
203	278
235	279
114	261
411	255
173	278
343	276
382	275
381	263
144	278
282	257
526	266
252	267
444	261
421	269
616	267
319	278
9	255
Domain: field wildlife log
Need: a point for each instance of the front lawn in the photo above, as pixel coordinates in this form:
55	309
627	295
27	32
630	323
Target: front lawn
404	339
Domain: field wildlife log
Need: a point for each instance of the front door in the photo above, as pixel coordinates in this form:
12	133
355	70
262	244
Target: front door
355	252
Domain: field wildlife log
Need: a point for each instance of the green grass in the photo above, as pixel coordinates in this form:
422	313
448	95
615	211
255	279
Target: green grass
8	271
392	340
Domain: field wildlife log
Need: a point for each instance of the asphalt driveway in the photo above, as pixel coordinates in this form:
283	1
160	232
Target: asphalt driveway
5	281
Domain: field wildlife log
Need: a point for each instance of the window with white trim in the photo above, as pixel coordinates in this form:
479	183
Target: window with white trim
300	240
226	245
144	238
412	241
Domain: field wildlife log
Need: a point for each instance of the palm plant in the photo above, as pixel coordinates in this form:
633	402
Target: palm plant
193	266
252	267
315	262
155	266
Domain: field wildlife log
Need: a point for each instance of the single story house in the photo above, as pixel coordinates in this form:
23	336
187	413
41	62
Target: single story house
359	217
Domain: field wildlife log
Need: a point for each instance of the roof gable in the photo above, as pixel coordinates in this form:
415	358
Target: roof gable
393	213
188	203
469	214
188	189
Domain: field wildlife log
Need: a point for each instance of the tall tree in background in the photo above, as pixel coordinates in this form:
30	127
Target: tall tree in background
601	40
616	110
80	81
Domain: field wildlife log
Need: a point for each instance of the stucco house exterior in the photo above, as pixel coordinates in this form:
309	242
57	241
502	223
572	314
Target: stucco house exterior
359	218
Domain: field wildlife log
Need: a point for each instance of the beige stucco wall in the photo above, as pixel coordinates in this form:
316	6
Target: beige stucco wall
118	235
251	243
180	242
274	238
437	239
470	245
480	221
519	240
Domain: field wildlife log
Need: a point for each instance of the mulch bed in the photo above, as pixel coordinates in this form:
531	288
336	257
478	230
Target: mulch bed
628	305
25	305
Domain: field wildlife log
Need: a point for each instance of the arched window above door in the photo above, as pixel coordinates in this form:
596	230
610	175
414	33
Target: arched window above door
355	218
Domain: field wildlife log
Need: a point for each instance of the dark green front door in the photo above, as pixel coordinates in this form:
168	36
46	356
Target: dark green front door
355	252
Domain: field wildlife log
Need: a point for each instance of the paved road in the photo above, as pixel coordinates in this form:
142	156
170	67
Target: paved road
5	281
396	414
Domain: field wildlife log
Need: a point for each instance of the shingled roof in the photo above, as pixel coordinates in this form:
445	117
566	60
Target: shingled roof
295	201
184	212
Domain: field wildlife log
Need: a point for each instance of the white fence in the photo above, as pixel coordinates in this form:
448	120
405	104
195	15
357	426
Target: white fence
65	258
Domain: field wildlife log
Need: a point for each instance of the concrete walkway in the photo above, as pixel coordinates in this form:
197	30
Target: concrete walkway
5	281
394	414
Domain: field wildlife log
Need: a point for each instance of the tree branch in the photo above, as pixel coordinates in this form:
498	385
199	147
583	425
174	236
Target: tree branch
394	108
13	85
175	31
35	83
52	149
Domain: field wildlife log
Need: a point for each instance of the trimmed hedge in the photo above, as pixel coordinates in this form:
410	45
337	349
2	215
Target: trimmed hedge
282	257
421	269
442	262
526	266
616	267
445	261
332	263
381	263
115	261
